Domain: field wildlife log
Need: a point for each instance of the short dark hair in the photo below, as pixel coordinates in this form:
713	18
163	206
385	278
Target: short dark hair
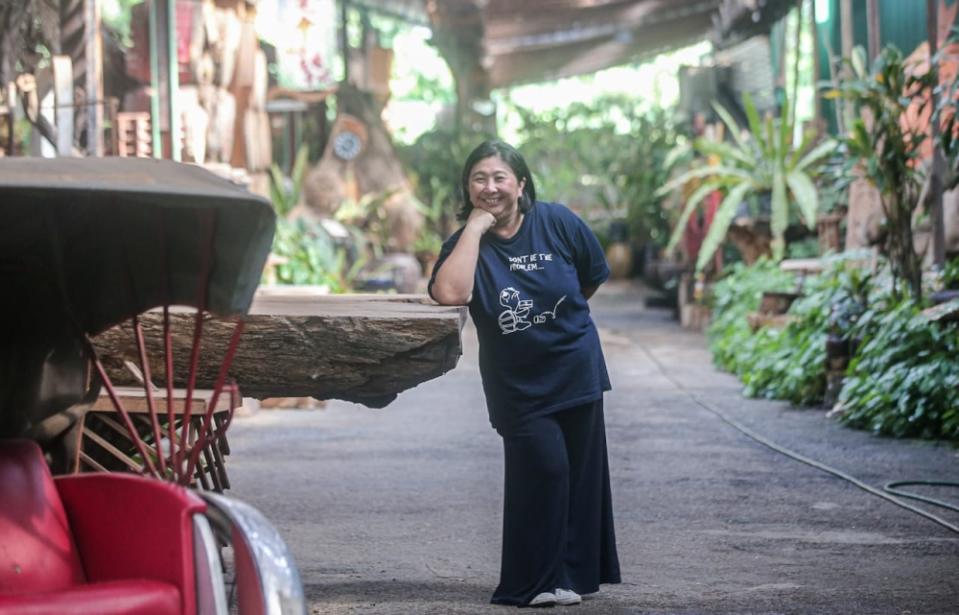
511	156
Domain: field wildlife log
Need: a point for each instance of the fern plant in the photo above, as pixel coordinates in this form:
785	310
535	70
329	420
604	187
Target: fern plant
768	159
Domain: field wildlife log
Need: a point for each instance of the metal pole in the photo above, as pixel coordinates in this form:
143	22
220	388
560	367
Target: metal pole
94	77
938	164
872	21
173	82
817	101
845	25
154	83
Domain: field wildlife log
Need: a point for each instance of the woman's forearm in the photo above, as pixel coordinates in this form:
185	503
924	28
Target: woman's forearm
454	280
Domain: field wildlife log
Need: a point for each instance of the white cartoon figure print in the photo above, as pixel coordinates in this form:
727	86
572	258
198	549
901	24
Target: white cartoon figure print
516	315
514	318
541	318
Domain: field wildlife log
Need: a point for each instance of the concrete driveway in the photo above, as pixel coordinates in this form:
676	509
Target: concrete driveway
398	511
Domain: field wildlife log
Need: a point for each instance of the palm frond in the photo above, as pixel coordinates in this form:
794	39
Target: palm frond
732	125
722	171
805	196
780	213
720	224
694	200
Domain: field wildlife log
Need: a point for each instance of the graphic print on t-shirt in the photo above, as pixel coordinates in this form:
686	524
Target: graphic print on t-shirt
516	315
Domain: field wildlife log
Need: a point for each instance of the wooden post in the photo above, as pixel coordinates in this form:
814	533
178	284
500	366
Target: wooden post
10	100
63	99
872	22
157	144
935	178
458	33
94	77
173	82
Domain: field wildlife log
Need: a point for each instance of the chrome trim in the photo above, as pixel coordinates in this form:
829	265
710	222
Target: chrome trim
210	588
273	562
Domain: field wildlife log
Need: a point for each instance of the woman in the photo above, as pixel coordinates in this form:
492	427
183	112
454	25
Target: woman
526	269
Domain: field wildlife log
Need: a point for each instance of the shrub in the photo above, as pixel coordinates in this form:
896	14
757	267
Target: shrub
733	297
792	361
904	381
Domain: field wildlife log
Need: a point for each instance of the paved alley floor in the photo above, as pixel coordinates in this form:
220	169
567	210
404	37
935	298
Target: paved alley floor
398	511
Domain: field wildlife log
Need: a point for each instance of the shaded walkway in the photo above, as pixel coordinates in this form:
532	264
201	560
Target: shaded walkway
398	510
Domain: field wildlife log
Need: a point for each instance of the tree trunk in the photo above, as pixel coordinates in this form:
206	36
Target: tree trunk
358	348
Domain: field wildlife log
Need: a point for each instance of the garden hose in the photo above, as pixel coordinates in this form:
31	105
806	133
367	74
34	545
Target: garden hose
817	464
891	488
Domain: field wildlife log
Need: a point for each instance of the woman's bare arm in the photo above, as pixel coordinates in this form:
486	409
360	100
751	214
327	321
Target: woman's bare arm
454	279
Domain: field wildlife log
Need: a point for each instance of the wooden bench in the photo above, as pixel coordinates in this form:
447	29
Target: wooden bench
105	445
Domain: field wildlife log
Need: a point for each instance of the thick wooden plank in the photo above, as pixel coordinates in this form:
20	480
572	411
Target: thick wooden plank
363	348
134	401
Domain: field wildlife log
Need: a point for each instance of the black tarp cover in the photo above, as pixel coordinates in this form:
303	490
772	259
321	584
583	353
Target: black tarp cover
86	243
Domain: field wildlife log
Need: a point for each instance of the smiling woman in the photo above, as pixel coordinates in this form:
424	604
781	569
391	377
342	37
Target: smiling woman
495	189
527	268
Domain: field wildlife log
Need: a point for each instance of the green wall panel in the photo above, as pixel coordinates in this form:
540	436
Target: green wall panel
902	23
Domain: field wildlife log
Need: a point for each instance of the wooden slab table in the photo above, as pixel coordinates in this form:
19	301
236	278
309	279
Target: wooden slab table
300	343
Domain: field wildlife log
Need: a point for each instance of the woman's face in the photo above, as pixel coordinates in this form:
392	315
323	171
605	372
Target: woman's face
495	188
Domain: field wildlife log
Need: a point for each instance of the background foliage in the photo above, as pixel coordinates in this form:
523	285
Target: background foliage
736	295
904	382
606	159
790	363
768	159
887	148
903	378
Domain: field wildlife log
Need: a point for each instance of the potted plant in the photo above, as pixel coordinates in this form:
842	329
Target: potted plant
766	160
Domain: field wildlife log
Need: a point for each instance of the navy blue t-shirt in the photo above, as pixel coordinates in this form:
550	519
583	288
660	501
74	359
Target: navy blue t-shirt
539	349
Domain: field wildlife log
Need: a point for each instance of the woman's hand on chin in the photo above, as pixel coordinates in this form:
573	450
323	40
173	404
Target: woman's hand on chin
481	220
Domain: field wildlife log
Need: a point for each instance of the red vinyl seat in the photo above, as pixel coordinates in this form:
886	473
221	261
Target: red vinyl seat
114	597
93	543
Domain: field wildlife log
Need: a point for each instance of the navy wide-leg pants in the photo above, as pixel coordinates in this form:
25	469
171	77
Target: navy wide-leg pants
558	515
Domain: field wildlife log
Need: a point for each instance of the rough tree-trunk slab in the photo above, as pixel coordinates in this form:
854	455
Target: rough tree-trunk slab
362	348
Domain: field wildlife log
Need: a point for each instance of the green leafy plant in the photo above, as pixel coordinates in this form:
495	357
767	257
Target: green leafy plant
435	161
117	15
950	274
904	381
650	164
368	216
731	340
791	362
284	192
614	156
903	378
430	239
767	159
887	150
311	256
